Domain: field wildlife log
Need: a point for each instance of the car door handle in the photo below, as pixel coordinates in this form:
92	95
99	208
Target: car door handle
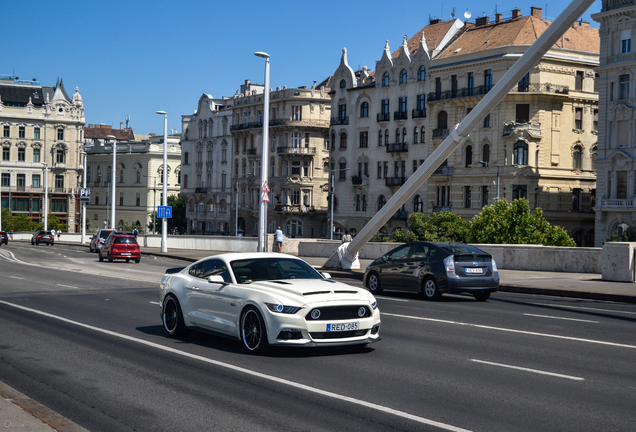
193	288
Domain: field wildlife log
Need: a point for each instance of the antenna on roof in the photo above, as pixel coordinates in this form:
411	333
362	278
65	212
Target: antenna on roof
467	14
453	13
127	120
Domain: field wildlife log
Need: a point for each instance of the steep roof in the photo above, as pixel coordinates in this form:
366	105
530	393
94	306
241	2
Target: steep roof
102	132
434	35
520	31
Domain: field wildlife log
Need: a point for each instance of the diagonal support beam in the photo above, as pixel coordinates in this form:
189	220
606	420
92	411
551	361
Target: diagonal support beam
528	60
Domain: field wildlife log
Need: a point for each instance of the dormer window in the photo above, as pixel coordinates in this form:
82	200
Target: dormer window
403	76
343	84
385	79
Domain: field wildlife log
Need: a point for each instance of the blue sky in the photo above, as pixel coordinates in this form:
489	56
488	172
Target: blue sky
136	57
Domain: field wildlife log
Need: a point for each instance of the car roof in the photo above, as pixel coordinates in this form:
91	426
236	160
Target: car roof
234	256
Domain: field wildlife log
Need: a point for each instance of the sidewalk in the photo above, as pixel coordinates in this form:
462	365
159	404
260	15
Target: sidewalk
576	285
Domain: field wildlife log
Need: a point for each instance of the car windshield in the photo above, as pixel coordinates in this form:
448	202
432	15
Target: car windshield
104	233
457	249
125	240
262	269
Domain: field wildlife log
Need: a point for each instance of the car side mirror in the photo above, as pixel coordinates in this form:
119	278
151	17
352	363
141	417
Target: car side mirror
217	279
326	275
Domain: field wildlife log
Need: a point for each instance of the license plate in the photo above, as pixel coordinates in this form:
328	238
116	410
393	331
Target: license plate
126	254
343	326
474	270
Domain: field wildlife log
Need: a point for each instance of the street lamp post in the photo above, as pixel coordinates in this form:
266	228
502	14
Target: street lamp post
112	180
84	202
486	164
164	221
10	171
262	211
46	195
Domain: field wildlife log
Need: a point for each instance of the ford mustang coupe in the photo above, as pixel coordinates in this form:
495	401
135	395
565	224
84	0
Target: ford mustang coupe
266	299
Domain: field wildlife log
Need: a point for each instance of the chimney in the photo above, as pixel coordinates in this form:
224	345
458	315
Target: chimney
121	125
482	21
498	18
585	24
436	21
516	13
535	12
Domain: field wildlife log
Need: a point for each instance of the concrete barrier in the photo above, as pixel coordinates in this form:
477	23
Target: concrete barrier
618	262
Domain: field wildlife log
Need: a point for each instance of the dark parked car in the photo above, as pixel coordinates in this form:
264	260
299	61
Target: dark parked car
120	247
4	238
42	237
433	268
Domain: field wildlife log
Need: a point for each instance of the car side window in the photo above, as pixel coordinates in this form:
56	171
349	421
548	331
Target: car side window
420	251
195	270
215	267
400	253
432	253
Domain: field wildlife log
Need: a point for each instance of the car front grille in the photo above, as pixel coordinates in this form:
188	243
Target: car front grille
338	335
333	313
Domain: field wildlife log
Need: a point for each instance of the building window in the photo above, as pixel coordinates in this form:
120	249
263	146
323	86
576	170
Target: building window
297	112
121	176
421	103
623	82
422	134
358	202
21	154
593	158
578	118
576	158
485	153
21	132
421	73
626	41
343	140
418	205
403	76
484	196
343	171
342	112
343	84
415	135
487	121
6	153
467	197
60	134
402	105
386	137
469	157
442	120
36	155
58	206
488	79
381	202
121	198
59	181
6	179
6	131
578	83
471	82
520	152
364	109
294	228
523	85
595	121
35	180
384	107
138	199
519	191
522	113
364	139
59	156
185	158
295	167
385	79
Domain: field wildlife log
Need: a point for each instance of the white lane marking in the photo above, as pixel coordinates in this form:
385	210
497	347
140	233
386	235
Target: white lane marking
514	331
560	318
393	299
77	261
157	303
249	372
584	308
530	370
15	277
67	286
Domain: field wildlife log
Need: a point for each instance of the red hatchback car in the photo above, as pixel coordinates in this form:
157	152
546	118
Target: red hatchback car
120	247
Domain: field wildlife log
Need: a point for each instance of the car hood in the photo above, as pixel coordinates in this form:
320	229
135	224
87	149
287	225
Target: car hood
307	291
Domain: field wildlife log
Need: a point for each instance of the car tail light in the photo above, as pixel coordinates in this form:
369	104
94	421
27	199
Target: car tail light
449	264
494	266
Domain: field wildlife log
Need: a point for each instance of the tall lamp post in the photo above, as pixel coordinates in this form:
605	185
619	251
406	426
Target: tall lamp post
262	211
84	202
164	221
332	174
112	180
10	210
46	195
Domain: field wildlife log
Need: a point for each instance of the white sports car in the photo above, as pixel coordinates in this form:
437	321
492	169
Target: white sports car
267	299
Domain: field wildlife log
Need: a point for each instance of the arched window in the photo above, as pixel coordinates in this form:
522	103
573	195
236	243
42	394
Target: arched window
343	140
403	76
421	73
415	135
333	140
386	137
404	136
380	138
121	176
442	120
418	205
520	153
422	134
576	157
381	202
385	79
397	136
469	156
364	109
343	84
185	158
593	157
485	153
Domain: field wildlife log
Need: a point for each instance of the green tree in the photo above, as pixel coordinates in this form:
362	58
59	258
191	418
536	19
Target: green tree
512	223
6	219
21	222
178	222
439	226
53	222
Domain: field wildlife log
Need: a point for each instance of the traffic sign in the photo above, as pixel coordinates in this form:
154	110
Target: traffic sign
85	194
265	187
265	197
164	212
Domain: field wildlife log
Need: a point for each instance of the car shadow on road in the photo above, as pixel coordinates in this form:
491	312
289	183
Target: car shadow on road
445	298
216	342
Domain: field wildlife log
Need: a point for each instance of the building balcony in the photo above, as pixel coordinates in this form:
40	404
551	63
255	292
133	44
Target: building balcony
360	180
396	148
416	113
440	133
296	150
618	203
335	121
251	151
543	88
318	123
400	115
384	117
293	208
201	190
244	126
444	171
394	181
400	215
441	208
459	93
533	129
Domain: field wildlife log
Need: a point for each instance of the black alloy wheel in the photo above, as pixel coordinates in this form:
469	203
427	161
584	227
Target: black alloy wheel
172	316
374	284
253	333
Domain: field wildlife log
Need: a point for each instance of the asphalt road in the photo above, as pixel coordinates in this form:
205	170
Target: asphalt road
84	338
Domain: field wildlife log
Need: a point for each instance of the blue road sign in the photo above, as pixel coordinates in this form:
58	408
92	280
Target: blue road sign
85	194
164	212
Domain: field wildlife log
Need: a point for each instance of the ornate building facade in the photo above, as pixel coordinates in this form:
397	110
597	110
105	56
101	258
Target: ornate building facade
138	176
539	143
41	125
616	160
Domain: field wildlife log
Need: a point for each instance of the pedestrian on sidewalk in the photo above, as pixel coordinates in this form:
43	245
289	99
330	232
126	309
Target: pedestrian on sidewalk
279	239
346	237
59	233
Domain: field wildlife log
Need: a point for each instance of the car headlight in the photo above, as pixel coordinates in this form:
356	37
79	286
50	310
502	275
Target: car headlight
374	305
279	308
